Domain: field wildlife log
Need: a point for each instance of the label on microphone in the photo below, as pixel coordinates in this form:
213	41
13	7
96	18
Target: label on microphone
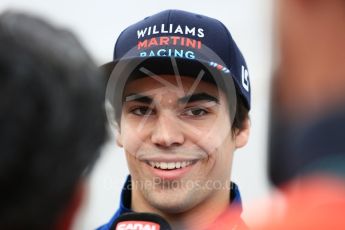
137	225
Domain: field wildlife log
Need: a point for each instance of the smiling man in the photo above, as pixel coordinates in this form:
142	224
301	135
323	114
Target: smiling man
179	119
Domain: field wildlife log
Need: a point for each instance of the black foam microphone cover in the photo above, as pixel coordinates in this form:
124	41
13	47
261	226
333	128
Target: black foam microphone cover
140	221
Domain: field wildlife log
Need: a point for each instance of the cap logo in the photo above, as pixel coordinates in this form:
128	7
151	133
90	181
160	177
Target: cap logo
172	29
245	78
185	46
219	67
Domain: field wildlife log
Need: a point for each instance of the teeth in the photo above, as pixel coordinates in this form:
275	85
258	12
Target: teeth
163	165
169	165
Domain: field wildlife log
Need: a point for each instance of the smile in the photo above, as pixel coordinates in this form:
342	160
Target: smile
170	165
169	169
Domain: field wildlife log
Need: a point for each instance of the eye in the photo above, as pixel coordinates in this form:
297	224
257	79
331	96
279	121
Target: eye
142	111
196	112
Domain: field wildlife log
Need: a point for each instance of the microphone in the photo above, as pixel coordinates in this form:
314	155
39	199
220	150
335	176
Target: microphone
140	221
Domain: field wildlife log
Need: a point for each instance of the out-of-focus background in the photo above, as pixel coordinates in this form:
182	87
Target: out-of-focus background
98	23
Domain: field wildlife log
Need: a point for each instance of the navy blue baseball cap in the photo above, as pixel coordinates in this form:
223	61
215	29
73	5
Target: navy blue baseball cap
187	37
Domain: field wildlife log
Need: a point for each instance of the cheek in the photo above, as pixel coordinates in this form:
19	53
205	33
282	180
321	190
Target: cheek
132	163
134	167
213	138
220	147
132	139
223	160
218	164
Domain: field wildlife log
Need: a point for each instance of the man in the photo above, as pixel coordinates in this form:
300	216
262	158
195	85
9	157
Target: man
52	123
180	93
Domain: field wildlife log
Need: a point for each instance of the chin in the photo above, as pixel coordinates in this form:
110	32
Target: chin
172	208
170	204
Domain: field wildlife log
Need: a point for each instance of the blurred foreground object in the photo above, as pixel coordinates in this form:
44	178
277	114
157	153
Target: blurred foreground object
308	91
52	123
307	141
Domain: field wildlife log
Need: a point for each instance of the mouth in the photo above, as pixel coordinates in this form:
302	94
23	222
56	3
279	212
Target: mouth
171	170
170	165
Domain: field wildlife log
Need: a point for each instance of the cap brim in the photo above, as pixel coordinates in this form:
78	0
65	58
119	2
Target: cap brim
163	65
119	73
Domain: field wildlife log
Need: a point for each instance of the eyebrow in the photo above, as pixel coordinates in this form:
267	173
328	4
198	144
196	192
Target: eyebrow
183	100
138	98
197	97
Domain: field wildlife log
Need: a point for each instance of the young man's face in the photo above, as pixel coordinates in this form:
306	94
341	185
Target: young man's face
178	142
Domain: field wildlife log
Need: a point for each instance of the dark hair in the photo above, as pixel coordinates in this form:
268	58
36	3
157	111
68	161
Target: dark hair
52	121
242	114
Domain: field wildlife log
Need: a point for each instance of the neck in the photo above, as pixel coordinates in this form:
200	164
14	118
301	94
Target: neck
198	217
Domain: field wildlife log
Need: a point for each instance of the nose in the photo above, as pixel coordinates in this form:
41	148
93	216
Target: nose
167	132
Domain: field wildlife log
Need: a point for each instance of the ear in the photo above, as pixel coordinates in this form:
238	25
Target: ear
242	136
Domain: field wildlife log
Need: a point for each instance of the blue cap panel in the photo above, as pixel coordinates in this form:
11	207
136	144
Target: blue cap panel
180	34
